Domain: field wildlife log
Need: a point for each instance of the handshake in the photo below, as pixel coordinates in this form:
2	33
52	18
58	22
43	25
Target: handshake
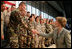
34	31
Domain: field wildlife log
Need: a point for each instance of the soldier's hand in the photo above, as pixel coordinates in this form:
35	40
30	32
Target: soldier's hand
33	31
36	32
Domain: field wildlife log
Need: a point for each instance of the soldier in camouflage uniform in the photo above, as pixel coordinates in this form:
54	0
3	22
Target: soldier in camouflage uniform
49	29
23	34
17	27
28	15
43	29
53	27
38	38
27	18
29	33
31	39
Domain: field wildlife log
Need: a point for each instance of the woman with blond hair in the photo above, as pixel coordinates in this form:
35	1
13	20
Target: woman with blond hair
61	36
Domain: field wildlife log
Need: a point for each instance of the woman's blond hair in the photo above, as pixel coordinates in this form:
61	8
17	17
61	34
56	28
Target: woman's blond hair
62	21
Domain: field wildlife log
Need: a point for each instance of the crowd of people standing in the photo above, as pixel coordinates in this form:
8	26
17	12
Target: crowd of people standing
17	26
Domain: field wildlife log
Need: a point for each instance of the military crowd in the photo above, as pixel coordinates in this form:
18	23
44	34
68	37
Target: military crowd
17	25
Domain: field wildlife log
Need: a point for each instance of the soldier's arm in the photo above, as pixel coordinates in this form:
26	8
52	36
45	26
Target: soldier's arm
68	39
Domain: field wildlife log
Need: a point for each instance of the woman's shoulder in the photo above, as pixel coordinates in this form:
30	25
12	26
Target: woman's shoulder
66	31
